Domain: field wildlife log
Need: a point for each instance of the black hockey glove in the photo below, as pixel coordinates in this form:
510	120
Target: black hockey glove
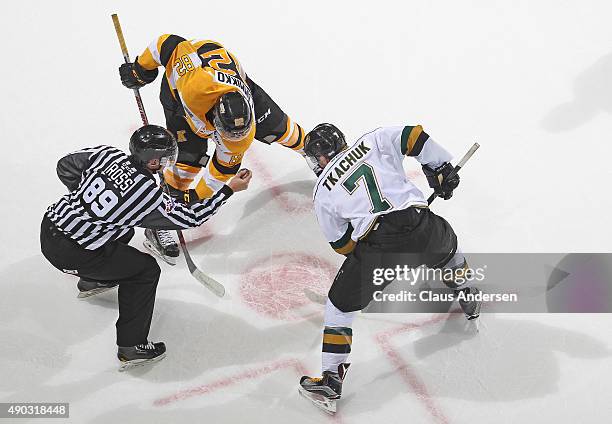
437	179
188	197
185	197
135	76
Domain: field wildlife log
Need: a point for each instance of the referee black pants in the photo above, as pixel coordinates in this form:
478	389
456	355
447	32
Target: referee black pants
137	274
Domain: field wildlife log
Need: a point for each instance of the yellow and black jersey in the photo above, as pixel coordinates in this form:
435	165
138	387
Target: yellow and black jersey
198	72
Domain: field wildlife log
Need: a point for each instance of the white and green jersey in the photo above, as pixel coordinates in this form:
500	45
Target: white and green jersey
367	180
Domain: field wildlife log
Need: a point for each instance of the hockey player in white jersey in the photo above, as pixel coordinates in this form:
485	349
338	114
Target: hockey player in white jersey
369	210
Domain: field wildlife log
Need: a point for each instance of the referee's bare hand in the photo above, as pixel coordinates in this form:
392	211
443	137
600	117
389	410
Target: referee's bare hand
241	180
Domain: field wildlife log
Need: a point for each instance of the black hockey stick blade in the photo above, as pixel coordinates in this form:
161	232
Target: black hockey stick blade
210	283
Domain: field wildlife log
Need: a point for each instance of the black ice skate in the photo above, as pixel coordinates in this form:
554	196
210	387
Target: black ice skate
162	244
88	288
471	309
324	391
142	354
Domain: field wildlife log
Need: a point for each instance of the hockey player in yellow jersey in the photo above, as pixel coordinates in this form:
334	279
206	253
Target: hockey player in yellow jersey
207	95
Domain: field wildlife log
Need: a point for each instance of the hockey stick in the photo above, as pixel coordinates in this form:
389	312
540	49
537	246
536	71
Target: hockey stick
126	57
460	165
210	283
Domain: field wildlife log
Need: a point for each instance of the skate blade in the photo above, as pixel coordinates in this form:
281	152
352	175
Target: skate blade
321	402
167	259
127	365
93	292
473	325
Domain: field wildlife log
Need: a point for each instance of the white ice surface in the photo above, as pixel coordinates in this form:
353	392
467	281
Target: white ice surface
530	80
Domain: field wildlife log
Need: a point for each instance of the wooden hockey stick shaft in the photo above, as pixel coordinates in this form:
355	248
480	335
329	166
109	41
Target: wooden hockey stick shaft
208	282
459	165
126	57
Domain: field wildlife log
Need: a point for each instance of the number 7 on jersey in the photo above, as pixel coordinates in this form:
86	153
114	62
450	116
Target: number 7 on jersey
366	172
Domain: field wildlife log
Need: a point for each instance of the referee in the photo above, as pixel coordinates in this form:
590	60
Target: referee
86	233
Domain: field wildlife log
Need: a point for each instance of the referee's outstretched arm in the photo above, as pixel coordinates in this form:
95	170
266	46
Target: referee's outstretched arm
170	215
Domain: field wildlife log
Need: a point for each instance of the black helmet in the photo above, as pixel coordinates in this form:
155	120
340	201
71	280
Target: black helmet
232	116
324	140
153	142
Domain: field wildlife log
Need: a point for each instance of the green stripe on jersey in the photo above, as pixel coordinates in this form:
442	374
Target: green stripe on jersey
343	241
338	331
404	138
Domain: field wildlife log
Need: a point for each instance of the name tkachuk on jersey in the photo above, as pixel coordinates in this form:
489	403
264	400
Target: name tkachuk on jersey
367	180
351	158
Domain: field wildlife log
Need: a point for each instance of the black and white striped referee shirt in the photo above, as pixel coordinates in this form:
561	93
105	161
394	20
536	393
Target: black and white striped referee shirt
110	194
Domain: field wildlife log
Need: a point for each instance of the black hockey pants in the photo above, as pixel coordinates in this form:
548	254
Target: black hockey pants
413	237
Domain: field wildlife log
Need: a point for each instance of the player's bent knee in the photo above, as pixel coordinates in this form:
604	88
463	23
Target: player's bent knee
152	270
343	303
457	278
